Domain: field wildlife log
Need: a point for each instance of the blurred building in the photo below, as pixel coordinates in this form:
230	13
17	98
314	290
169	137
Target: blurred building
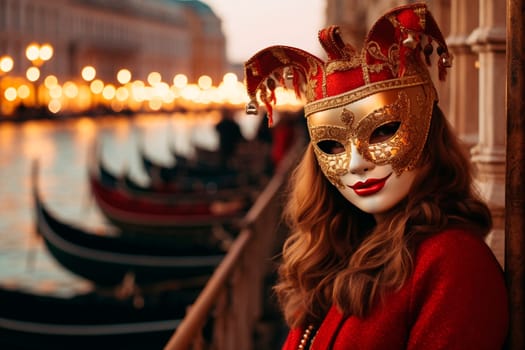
473	96
166	36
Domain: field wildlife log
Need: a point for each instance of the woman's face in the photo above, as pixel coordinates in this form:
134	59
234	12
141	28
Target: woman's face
369	148
375	189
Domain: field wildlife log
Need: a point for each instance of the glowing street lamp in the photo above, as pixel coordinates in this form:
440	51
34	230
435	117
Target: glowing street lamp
6	64
154	78
124	76
46	52
88	73
205	82
33	74
180	81
38	54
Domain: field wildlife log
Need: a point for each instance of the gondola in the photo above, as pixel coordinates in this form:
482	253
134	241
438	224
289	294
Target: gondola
185	189
248	165
194	174
92	320
250	156
132	212
108	260
195	168
159	173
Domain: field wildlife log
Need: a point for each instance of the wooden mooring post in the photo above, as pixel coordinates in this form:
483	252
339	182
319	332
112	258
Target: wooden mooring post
515	173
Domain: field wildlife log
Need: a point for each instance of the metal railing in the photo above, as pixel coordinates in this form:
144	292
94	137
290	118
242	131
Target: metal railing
233	297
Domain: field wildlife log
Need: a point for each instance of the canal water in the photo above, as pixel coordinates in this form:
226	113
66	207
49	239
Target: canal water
61	148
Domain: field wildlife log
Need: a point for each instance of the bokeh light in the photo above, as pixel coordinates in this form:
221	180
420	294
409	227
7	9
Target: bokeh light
32	74
154	78
205	82
88	73
96	86
6	64
124	76
45	52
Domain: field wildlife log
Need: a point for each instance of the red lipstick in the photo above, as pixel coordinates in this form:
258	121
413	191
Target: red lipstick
370	186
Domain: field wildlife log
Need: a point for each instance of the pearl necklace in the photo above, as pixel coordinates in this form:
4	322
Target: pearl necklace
306	342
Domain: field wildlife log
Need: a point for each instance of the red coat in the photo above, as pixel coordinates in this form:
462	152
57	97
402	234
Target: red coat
455	299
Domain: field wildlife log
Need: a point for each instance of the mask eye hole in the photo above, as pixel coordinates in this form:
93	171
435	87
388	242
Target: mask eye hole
384	132
331	146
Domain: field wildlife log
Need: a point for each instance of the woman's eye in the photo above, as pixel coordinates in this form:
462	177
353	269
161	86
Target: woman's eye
384	132
331	147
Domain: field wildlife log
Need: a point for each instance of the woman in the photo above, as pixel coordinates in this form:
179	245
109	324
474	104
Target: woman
386	248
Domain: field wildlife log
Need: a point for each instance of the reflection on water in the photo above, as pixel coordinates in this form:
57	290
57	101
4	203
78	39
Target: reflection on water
61	148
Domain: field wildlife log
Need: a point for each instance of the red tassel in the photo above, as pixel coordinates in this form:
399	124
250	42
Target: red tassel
270	117
278	75
271	86
267	103
273	98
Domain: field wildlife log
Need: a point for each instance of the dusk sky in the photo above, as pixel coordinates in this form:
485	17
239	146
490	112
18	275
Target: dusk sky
252	25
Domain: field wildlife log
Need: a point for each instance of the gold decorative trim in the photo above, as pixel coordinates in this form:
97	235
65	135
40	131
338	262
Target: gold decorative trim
347	117
279	53
366	90
251	67
343	65
313	72
323	85
374	49
364	67
421	13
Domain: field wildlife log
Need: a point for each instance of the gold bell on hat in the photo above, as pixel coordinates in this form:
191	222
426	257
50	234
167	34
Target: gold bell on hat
252	107
446	60
410	41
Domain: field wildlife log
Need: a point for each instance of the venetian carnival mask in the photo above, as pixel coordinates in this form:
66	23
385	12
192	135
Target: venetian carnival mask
388	127
378	99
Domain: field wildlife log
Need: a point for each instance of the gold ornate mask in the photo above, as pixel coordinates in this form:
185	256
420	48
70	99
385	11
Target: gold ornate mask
388	127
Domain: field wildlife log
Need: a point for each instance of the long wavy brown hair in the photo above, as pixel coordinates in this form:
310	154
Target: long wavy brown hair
337	254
